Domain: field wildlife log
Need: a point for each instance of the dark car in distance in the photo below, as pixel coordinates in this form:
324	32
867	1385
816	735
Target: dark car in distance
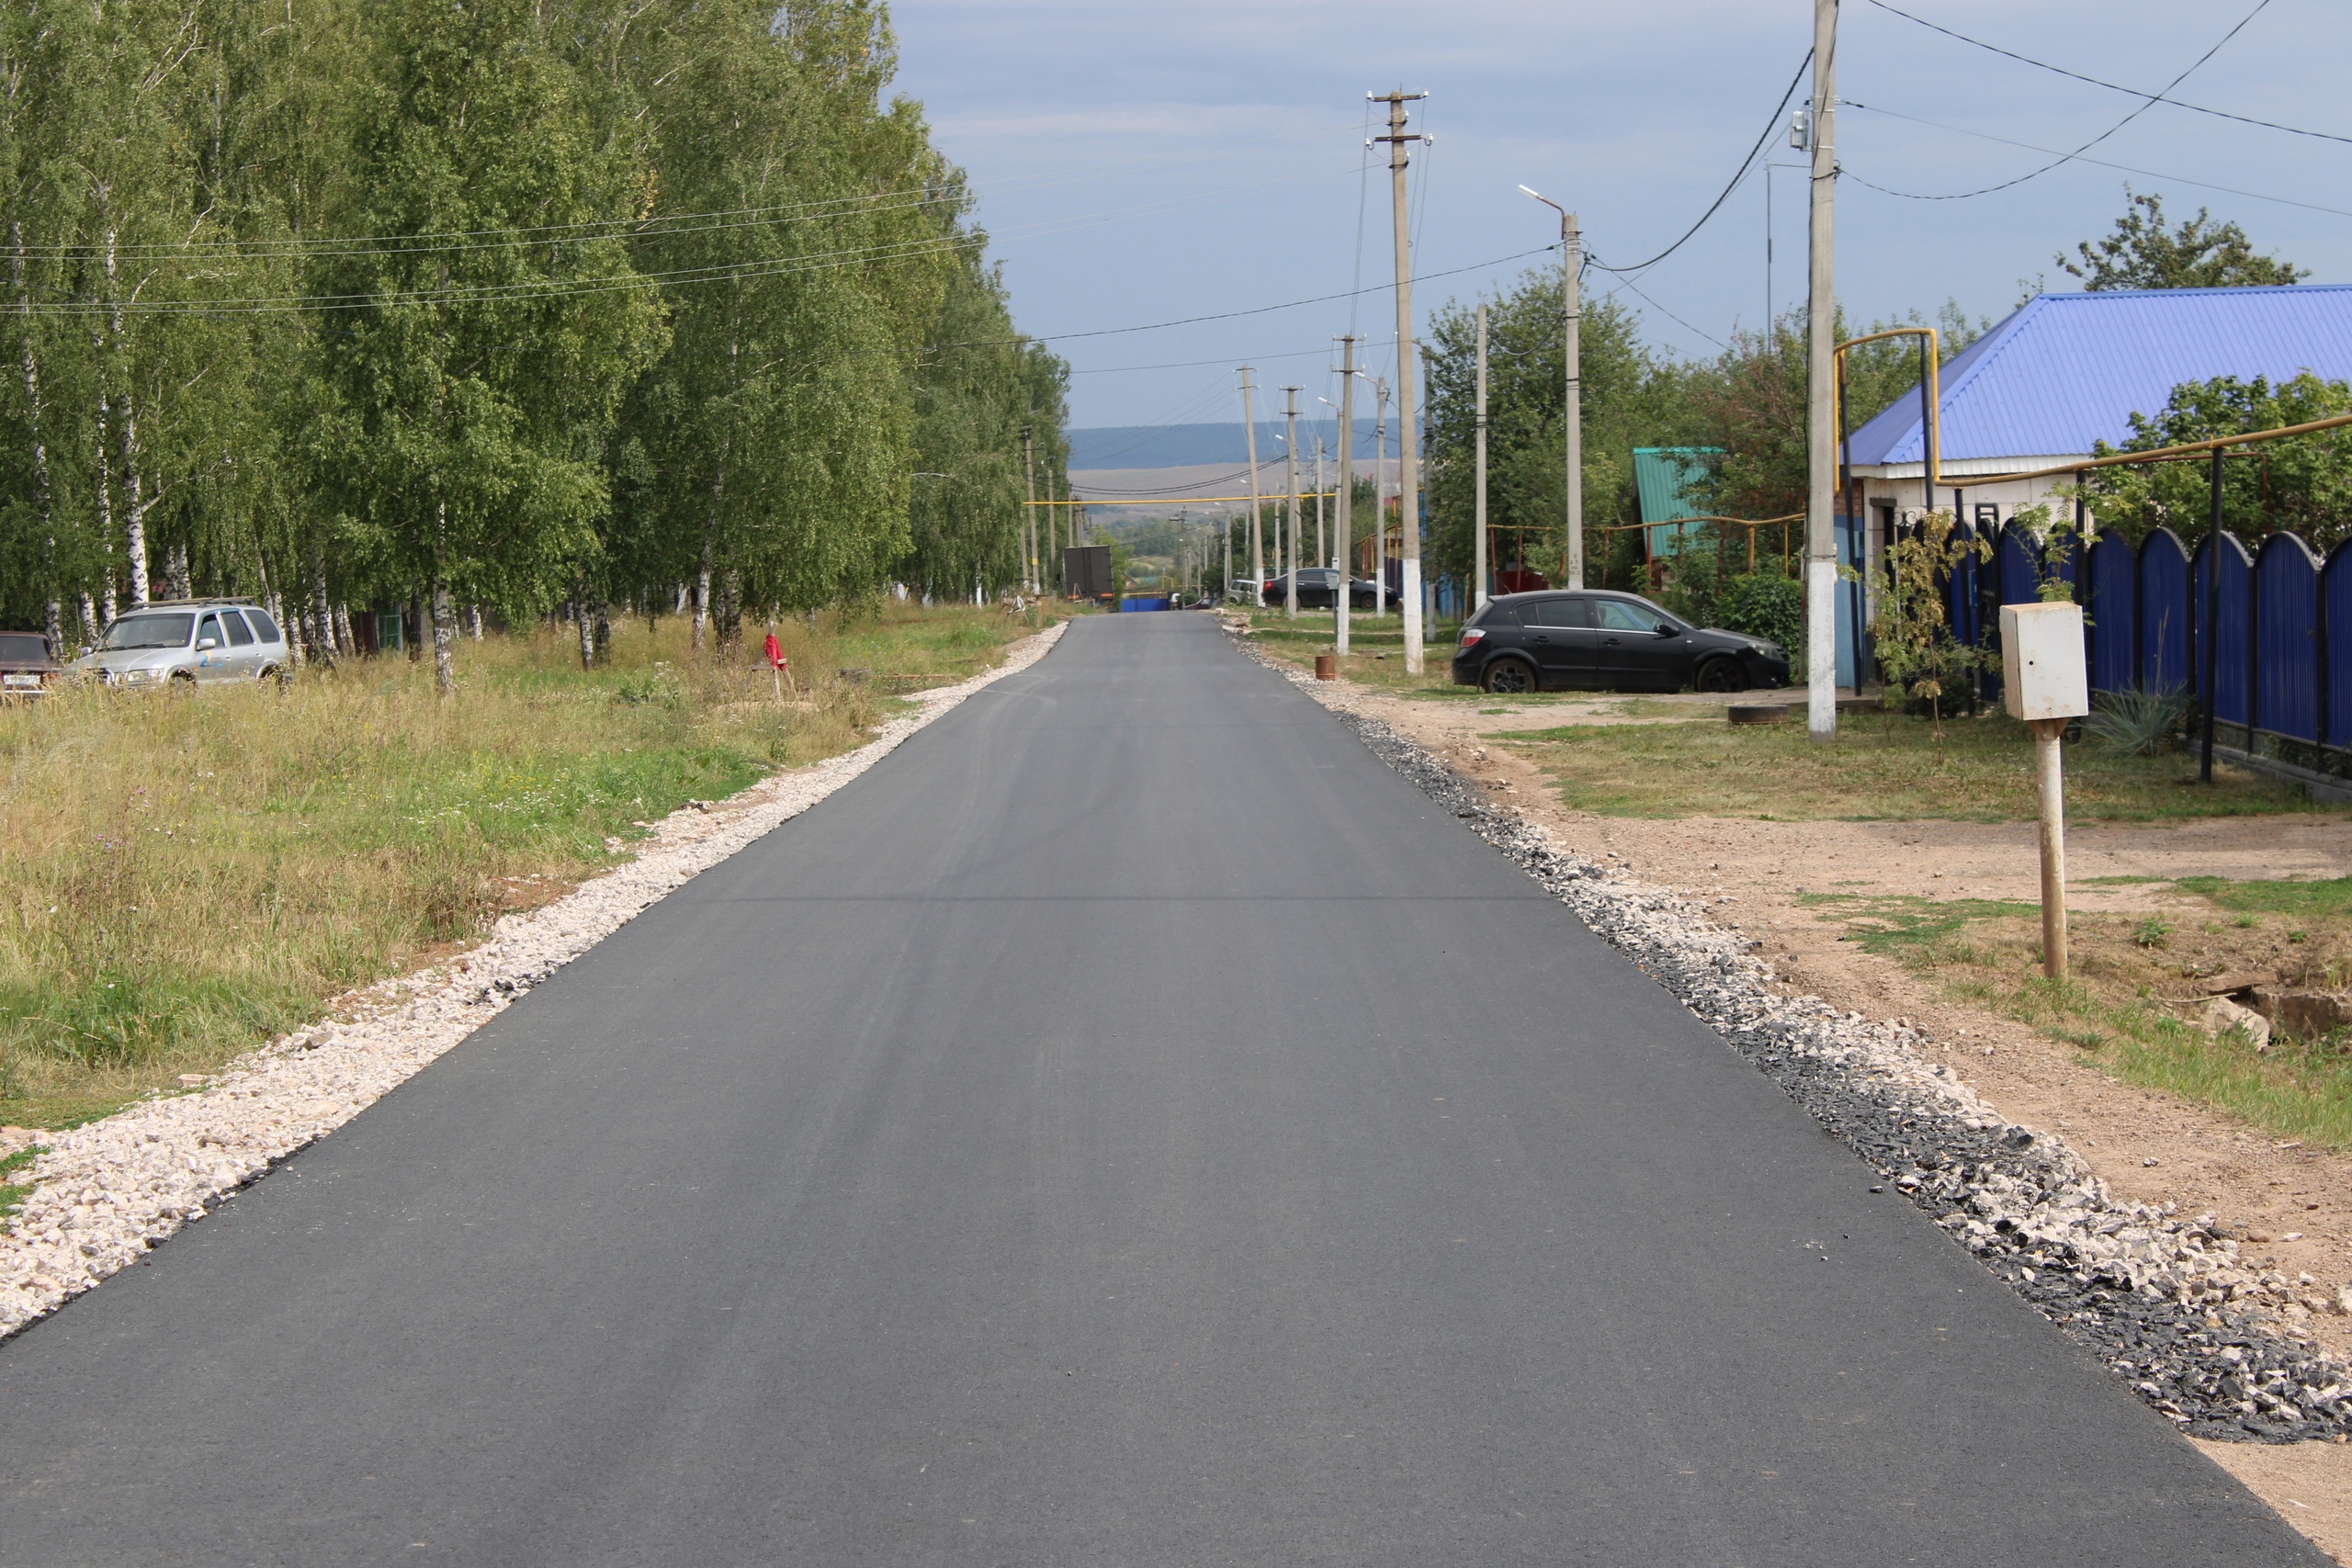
1600	640
26	667
1318	589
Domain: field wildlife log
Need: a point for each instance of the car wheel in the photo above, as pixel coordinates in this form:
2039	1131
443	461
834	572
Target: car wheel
1512	677
1721	675
183	681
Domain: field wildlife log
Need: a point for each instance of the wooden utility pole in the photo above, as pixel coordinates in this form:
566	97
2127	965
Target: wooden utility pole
1409	511
1256	542
1289	451
1821	434
1479	543
1340	543
1029	513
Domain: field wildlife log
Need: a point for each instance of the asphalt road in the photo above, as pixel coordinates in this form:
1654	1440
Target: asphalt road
1129	1126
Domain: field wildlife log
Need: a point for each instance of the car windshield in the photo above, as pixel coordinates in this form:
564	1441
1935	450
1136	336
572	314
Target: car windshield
148	631
22	647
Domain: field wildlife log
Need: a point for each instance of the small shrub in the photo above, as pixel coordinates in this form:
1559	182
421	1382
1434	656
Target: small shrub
2138	723
2152	932
1764	604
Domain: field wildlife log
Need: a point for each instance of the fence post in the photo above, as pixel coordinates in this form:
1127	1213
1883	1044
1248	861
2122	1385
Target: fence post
2210	630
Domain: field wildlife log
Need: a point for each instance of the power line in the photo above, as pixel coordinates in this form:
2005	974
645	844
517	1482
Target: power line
2100	162
2112	87
1629	283
1189	364
2065	158
718	272
650	227
1257	309
1769	126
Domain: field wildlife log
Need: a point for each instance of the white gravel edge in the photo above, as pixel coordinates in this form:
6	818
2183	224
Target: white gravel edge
107	1192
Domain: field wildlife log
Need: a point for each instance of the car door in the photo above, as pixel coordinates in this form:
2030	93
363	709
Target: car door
211	662
244	655
1559	633
1634	655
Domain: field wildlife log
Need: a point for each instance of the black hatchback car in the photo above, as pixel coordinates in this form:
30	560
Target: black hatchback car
1603	641
1318	589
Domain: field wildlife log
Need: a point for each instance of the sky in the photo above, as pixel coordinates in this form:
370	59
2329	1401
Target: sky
1138	164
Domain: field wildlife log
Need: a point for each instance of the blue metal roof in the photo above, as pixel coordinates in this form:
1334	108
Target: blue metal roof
2067	370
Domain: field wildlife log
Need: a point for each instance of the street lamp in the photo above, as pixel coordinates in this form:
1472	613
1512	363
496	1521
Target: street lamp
1571	261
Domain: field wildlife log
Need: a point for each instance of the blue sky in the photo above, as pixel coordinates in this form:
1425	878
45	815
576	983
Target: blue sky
1141	163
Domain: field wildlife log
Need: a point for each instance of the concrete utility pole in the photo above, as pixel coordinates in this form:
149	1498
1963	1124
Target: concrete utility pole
1379	497
1340	541
1572	401
1408	509
1320	536
1256	542
1289	451
1821	434
1478	522
1029	513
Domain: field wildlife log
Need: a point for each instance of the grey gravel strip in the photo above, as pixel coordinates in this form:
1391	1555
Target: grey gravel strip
2162	1300
105	1193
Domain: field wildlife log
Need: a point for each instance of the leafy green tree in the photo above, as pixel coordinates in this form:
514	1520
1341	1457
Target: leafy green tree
1631	397
2302	483
2199	254
494	322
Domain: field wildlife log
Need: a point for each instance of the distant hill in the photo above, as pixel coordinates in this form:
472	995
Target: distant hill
1195	446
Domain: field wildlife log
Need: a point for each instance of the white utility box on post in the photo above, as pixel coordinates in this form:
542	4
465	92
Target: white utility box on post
2046	681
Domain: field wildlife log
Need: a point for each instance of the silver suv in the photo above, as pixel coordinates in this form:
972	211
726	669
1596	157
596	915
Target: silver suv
189	640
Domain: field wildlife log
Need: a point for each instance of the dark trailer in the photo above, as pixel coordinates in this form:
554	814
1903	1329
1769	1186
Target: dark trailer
1086	571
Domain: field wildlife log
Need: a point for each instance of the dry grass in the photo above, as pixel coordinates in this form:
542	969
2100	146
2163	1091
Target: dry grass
2132	997
183	875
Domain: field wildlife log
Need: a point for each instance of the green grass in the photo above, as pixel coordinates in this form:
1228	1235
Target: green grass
2327	898
183	875
1881	767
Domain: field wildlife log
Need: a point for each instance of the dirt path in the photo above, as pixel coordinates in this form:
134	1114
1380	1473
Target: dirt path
2291	1204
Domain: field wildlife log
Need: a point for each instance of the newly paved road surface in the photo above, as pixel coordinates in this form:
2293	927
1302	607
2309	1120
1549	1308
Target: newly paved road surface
1129	1126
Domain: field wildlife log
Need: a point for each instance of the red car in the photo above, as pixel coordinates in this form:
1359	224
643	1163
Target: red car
26	667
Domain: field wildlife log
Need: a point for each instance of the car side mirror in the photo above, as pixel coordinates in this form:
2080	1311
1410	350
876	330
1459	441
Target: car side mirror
84	653
1665	630
203	643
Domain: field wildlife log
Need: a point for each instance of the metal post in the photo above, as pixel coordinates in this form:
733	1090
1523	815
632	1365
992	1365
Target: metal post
1821	452
2212	619
2050	778
1341	544
1478	544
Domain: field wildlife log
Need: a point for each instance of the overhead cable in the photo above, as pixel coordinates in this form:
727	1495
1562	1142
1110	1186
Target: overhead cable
1845	172
2065	158
2112	87
1769	126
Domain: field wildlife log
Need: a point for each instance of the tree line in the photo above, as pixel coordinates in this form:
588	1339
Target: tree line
457	305
1746	408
